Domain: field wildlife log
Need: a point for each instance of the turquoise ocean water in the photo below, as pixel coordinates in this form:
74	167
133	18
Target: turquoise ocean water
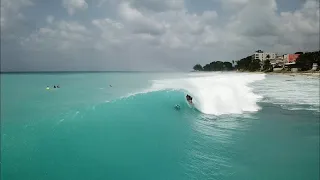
242	127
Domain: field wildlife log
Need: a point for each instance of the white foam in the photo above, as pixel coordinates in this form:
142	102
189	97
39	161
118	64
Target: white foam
216	93
231	93
292	91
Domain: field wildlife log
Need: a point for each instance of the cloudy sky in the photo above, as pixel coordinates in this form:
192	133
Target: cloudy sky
150	34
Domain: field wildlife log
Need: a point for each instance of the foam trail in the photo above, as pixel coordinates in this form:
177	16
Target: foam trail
292	92
216	93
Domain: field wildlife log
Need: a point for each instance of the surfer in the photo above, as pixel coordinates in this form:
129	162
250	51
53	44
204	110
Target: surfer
189	98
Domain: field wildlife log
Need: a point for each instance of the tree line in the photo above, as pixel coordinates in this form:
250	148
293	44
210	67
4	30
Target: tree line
215	66
250	64
245	64
304	61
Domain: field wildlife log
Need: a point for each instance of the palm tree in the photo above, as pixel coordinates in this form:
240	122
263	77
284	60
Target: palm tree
197	67
268	56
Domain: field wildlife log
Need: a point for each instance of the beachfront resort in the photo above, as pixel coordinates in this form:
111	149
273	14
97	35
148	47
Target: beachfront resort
281	62
268	62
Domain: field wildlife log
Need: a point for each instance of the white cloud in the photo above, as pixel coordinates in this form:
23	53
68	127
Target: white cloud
265	28
103	23
255	21
171	34
73	5
301	27
61	35
233	5
139	23
10	12
50	19
252	27
112	33
305	21
158	5
209	15
147	5
129	13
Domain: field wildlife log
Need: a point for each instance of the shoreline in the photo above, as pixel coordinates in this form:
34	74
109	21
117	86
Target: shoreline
306	73
289	73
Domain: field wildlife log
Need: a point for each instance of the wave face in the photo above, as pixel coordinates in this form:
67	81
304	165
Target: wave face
216	93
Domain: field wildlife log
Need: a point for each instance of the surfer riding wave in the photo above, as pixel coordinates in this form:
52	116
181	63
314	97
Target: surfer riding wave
189	98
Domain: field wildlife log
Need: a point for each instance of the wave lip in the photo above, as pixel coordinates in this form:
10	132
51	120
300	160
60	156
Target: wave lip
216	93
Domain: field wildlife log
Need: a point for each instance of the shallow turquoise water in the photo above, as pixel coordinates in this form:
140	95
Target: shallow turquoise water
88	130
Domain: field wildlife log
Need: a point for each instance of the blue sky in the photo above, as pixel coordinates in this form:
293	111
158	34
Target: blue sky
159	35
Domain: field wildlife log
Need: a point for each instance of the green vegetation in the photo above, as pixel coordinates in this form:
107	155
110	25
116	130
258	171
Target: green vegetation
267	66
248	64
268	56
215	66
198	67
306	60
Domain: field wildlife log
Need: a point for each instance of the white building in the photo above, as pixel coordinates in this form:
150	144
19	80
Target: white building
278	61
264	56
314	66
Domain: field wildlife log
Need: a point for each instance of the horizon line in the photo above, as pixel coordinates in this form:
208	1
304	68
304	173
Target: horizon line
82	71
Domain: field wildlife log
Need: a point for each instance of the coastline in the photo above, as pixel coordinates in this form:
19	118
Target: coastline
303	73
289	73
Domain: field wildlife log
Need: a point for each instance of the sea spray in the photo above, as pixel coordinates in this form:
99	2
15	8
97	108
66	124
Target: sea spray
215	93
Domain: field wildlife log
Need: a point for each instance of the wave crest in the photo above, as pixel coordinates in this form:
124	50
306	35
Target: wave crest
216	93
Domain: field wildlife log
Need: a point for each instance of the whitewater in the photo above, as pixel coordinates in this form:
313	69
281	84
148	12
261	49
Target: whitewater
215	93
236	93
123	125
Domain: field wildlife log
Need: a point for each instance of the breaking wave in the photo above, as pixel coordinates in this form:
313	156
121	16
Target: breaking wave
215	93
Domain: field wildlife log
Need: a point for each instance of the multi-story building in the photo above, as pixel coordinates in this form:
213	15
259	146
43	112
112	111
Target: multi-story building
290	58
278	61
264	56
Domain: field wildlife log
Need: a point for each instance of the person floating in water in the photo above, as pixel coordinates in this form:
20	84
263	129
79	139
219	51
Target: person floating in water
54	86
189	98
